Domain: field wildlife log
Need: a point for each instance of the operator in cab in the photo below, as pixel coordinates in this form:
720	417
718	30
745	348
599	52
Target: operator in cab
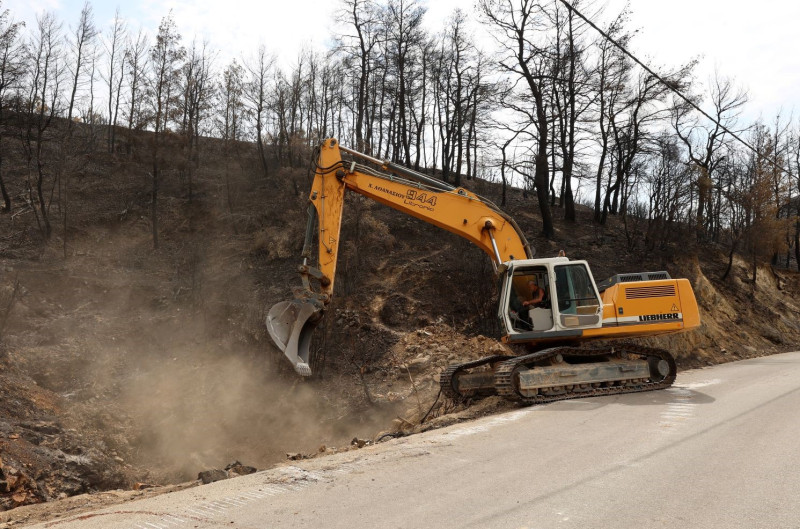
538	295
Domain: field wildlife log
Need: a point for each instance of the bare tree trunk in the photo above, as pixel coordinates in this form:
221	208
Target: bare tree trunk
117	32
11	70
797	241
3	190
570	120
503	170
730	260
553	167
84	34
532	66
166	56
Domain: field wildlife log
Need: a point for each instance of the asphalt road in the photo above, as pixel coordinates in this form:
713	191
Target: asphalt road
717	450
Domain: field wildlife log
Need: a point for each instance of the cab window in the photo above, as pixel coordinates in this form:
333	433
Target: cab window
521	292
574	290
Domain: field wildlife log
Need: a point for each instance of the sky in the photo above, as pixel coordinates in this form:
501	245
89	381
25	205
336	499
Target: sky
756	44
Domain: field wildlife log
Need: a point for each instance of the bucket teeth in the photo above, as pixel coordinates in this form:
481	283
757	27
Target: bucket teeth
302	369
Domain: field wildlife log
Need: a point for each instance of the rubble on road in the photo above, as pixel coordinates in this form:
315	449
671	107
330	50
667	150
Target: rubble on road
360	443
237	469
210	476
232	470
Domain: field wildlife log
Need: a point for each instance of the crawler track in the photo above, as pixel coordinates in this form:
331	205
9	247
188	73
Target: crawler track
506	382
448	377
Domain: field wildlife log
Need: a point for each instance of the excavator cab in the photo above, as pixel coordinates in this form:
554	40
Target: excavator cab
571	301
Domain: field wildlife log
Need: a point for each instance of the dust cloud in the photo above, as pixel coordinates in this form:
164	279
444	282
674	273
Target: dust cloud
184	400
169	386
196	411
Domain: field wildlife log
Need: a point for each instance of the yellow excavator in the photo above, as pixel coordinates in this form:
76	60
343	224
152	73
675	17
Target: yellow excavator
552	306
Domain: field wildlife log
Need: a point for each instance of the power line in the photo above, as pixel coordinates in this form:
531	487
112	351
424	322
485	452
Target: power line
670	86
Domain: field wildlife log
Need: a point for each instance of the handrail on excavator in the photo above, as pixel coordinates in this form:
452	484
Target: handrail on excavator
391	166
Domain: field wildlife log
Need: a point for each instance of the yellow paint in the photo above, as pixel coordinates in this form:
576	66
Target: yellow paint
458	211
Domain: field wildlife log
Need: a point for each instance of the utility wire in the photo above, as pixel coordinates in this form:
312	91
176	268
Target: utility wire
670	86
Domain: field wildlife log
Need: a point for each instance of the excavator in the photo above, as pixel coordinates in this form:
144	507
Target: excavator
554	329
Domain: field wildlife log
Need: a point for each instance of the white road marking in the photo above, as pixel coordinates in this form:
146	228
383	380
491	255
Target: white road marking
700	384
683	408
254	495
296	480
209	507
487	425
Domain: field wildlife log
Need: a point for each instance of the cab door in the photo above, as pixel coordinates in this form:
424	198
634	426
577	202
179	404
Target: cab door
576	301
506	282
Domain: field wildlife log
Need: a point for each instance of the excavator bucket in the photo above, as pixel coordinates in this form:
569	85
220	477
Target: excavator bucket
291	324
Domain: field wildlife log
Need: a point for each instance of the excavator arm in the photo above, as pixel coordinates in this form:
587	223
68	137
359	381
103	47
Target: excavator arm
291	323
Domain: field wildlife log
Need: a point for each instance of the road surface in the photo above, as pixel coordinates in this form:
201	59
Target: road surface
717	450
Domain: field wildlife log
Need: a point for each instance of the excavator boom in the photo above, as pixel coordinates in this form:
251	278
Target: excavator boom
291	323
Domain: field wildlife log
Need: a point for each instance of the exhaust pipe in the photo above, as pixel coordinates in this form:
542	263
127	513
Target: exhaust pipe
290	325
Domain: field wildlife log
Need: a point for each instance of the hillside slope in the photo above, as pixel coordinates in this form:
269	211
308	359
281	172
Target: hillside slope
122	364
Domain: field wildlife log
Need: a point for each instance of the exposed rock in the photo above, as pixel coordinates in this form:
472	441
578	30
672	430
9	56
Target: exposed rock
359	443
419	363
500	349
210	476
43	427
773	336
238	469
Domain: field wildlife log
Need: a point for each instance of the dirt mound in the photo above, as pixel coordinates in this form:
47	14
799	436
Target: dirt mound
41	457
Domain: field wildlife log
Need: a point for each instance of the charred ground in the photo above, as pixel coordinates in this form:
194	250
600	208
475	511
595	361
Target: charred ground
123	365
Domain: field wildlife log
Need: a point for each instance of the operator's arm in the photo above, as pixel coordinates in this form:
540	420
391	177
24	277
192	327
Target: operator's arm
537	297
